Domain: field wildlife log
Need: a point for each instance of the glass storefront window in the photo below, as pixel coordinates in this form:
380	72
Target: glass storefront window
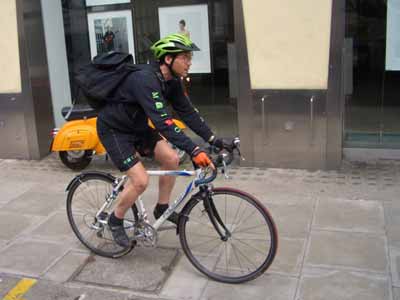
372	105
210	86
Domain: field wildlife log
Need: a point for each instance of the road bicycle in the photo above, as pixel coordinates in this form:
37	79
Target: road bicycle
227	234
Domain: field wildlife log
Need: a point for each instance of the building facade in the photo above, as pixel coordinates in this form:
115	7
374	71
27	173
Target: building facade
303	83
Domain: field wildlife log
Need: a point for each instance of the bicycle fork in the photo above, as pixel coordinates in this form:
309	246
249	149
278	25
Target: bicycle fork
213	214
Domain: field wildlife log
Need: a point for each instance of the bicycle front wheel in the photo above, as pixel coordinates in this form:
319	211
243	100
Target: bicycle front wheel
85	198
248	241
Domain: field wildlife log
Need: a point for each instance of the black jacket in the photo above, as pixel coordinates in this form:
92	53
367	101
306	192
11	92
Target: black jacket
144	95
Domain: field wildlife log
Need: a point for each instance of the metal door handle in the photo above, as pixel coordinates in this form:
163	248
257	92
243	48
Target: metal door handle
264	126
312	99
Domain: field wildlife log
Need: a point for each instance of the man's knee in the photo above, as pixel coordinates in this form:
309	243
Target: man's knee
171	160
138	177
139	183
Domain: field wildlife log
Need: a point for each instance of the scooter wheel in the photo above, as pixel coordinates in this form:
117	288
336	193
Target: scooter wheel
76	160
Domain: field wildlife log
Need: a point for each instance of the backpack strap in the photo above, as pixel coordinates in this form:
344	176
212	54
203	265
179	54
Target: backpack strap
162	81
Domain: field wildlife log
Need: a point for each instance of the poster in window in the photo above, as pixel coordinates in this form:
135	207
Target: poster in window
191	20
111	31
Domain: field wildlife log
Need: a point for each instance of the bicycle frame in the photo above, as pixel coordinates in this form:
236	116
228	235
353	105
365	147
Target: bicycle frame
141	210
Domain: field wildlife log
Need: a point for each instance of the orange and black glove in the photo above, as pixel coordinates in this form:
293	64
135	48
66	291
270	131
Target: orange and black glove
201	159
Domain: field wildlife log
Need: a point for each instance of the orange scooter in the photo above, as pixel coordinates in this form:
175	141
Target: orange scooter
77	140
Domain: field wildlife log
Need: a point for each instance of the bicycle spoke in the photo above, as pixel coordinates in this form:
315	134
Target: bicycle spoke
226	210
237	258
226	257
249	228
201	235
207	241
247	218
212	250
250	246
237	212
241	253
201	223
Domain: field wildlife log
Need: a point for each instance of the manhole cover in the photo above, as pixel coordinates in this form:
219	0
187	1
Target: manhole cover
144	270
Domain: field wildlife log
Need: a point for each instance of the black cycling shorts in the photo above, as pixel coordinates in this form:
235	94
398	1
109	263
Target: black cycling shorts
123	148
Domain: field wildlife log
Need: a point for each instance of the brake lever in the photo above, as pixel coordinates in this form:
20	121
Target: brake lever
240	155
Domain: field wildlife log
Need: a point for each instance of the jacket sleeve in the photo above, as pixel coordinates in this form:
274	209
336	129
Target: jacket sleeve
188	113
148	93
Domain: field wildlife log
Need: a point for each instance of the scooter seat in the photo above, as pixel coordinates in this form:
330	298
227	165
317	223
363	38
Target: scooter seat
78	112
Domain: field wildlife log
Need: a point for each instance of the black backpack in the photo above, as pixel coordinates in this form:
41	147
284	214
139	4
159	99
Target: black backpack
98	80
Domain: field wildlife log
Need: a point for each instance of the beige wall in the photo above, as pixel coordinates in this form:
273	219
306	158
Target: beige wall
288	43
10	78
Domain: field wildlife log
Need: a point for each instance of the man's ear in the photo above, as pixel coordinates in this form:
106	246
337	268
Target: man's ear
168	59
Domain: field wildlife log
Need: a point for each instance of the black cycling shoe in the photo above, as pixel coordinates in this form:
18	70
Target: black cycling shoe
173	218
119	235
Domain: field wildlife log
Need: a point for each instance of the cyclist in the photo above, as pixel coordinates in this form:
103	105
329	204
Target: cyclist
123	127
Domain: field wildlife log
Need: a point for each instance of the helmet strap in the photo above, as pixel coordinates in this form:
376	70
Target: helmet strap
170	66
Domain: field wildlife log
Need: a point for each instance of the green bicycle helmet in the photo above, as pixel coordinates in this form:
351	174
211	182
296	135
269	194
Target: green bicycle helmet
173	44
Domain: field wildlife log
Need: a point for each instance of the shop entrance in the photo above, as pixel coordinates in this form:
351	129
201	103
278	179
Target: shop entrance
372	74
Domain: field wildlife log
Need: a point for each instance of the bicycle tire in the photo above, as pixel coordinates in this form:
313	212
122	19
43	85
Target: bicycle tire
83	192
229	211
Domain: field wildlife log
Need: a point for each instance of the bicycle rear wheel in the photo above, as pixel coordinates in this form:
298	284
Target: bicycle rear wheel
247	250
85	198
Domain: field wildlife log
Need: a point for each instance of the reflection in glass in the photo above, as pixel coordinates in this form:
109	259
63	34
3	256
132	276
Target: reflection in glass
111	35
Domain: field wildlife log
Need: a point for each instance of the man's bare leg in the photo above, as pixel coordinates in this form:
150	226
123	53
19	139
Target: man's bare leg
169	160
137	183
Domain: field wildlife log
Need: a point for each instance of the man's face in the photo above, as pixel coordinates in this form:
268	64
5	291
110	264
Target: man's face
182	63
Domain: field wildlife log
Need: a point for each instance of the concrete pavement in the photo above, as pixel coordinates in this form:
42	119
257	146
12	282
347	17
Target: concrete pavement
339	238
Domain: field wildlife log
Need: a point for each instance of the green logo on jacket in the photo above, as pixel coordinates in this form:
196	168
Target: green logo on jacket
155	95
159	105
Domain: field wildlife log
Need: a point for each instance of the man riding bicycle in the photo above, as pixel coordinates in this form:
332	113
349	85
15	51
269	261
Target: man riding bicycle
123	127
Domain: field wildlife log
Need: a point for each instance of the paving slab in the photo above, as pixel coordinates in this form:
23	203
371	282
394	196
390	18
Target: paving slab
35	202
395	265
169	238
266	287
392	220
67	266
292	220
30	258
56	228
11	189
320	284
3	243
396	293
347	249
185	282
144	270
351	215
289	256
13	224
